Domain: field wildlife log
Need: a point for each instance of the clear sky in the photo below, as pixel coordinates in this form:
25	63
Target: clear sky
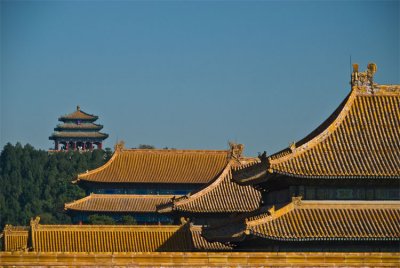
188	74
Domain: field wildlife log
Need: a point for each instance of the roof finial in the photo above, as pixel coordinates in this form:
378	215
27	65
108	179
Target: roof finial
363	78
119	146
236	149
78	108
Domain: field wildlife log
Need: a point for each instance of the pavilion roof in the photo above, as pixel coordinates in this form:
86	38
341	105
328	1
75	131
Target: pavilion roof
118	203
319	220
78	115
159	166
220	196
81	126
361	139
80	134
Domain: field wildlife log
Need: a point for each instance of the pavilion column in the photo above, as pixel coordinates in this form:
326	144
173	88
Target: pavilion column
74	144
84	146
91	146
56	145
67	146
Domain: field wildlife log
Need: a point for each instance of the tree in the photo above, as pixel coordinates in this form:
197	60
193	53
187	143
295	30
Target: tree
34	182
146	146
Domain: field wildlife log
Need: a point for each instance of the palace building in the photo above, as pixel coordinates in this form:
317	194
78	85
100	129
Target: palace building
78	132
336	190
136	182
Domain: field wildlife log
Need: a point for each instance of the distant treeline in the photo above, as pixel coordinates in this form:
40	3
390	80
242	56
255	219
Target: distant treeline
36	183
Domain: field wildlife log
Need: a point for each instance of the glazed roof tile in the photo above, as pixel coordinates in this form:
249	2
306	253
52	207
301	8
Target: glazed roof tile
361	139
110	238
159	166
221	196
320	220
81	126
15	237
118	203
330	220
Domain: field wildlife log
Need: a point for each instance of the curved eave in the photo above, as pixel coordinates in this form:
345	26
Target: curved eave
175	204
204	207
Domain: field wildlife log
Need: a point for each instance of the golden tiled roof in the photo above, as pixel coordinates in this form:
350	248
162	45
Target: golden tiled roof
330	220
15	238
201	244
318	220
361	139
78	114
220	196
159	166
110	238
118	203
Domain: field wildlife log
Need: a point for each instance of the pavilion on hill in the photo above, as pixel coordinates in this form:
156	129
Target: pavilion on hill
78	132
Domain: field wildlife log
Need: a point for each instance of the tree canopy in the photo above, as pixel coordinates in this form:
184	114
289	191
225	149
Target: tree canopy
36	183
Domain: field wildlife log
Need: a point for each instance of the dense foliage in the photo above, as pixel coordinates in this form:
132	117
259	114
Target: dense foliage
36	183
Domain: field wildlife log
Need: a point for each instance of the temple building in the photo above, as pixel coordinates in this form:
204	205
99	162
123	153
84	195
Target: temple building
336	189
136	182
78	132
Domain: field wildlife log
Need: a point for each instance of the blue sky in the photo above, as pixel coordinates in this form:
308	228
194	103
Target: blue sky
188	74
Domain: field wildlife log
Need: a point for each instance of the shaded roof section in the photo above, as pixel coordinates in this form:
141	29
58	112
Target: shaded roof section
78	115
107	238
201	244
361	139
118	203
320	220
75	126
159	166
220	196
80	134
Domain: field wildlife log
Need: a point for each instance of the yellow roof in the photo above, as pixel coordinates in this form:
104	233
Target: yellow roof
78	115
118	203
220	196
15	238
159	166
361	139
319	220
110	238
107	238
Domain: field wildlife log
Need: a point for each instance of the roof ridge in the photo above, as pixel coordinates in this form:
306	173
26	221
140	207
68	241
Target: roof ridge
205	189
87	173
174	150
